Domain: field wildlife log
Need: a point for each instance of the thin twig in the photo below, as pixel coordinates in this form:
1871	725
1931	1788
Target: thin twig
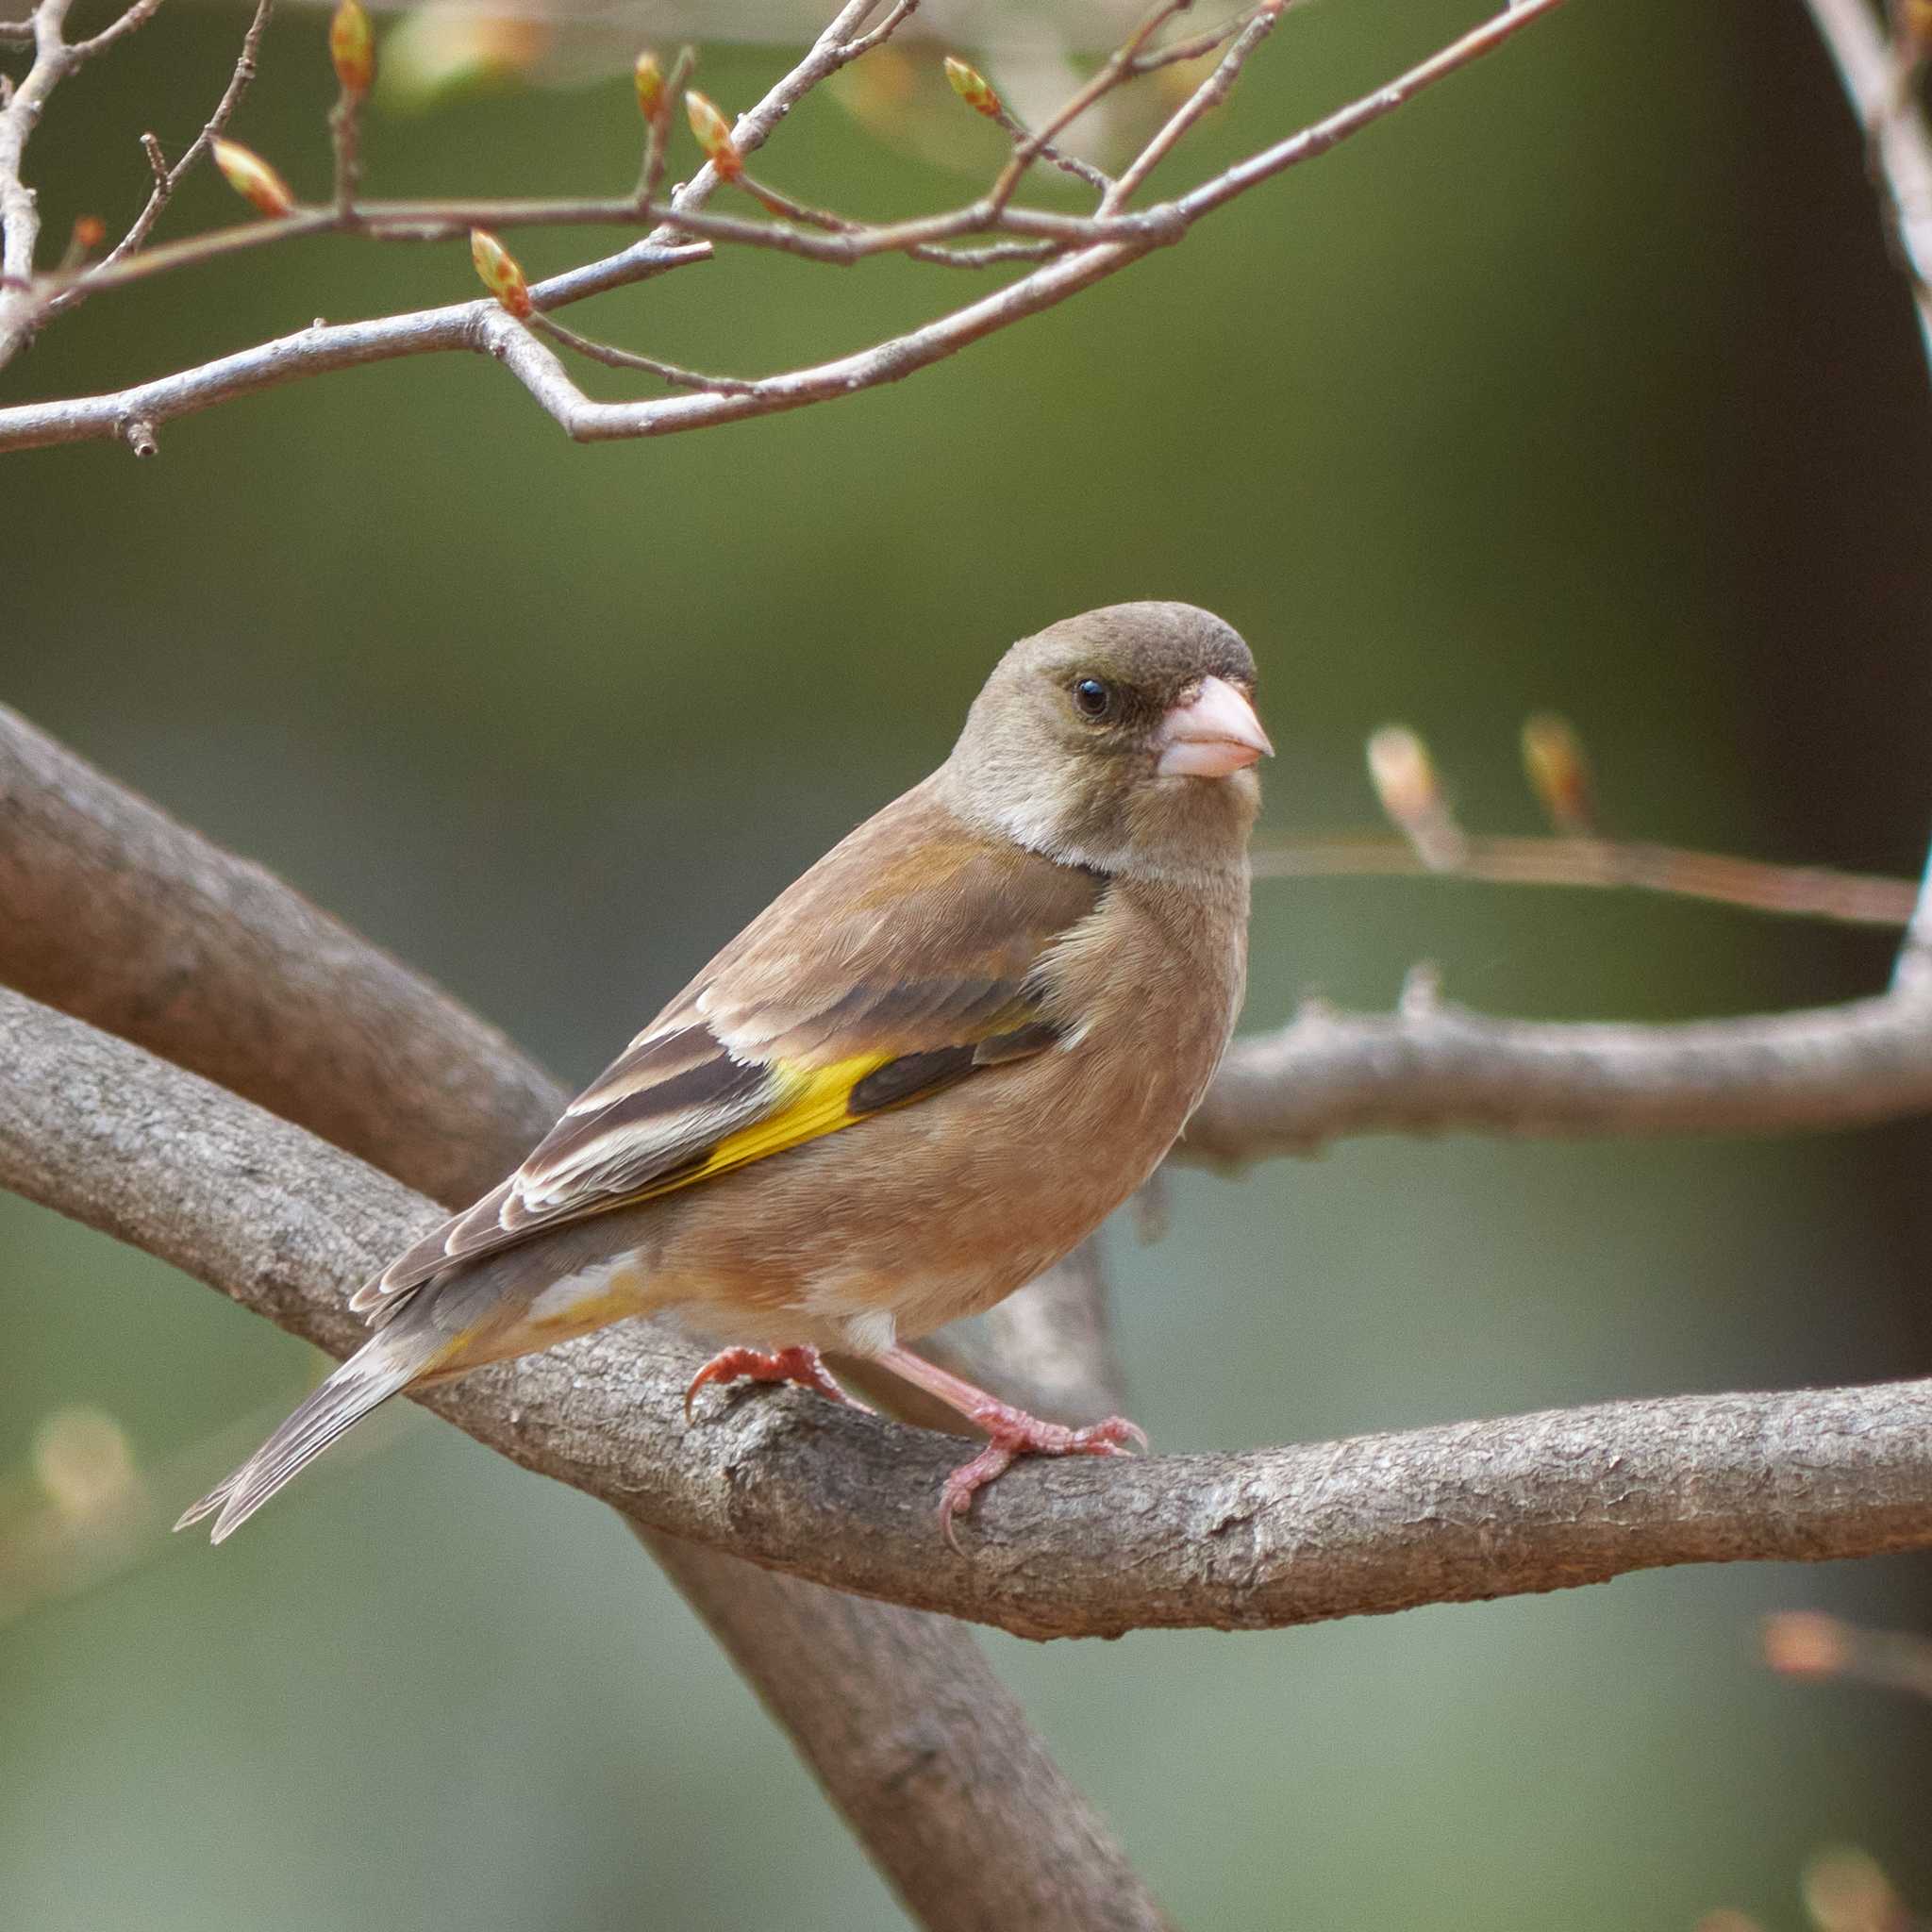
899	239
1323	135
1209	95
1113	72
1096	179
864	43
1198	48
167	179
345	138
613	357
1758	886
136	16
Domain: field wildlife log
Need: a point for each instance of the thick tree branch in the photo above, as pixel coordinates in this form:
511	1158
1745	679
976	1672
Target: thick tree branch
97	1128
113	911
981	1830
94	1127
1434	1068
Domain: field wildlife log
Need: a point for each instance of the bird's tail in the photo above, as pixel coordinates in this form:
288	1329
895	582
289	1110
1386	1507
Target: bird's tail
374	1373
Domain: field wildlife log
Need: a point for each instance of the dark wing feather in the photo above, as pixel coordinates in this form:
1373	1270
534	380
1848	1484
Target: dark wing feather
906	959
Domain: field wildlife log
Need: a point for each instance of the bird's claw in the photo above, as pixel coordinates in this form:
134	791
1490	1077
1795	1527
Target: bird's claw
800	1365
1015	1434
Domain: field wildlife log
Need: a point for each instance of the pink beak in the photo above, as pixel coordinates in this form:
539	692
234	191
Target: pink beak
1214	733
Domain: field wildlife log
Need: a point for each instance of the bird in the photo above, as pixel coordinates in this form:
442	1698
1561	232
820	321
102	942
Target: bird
924	1074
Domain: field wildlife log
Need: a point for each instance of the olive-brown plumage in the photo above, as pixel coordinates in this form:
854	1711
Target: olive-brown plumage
924	1073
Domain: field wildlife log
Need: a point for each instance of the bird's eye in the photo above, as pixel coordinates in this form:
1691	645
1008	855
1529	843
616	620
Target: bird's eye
1092	698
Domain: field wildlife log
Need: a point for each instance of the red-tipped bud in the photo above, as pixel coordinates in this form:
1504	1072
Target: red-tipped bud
499	272
86	233
713	134
1558	773
352	47
650	84
1806	1643
972	87
252	178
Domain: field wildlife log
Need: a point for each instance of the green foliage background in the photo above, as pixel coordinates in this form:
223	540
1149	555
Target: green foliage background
1583	383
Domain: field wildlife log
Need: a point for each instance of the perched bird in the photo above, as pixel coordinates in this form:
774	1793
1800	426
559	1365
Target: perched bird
924	1074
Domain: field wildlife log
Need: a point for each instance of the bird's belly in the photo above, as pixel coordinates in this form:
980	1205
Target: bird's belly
893	1227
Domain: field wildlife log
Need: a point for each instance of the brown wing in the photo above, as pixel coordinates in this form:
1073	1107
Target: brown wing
908	959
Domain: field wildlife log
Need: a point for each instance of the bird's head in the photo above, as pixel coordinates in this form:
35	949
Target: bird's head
1120	739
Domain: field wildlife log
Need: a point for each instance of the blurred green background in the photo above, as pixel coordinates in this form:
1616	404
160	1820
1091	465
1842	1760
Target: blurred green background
1582	383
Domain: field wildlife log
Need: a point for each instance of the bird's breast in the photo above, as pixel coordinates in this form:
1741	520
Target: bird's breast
942	1208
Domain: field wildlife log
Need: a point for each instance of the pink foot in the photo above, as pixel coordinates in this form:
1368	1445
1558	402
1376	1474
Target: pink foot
1013	1434
799	1365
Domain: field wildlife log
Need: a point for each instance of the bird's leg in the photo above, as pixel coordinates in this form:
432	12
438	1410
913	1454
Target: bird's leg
1014	1433
801	1365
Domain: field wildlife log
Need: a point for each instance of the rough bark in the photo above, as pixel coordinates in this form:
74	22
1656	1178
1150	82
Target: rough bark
287	1224
1432	1068
112	910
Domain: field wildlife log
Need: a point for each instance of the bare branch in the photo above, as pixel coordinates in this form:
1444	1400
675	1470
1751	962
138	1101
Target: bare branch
649	257
1433	1067
1100	248
1002	116
1209	95
587	421
613	357
1324	134
166	179
1114	72
97	1128
135	17
20	114
864	43
933	1762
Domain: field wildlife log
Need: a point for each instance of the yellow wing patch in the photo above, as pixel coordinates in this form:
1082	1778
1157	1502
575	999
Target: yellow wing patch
810	1101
